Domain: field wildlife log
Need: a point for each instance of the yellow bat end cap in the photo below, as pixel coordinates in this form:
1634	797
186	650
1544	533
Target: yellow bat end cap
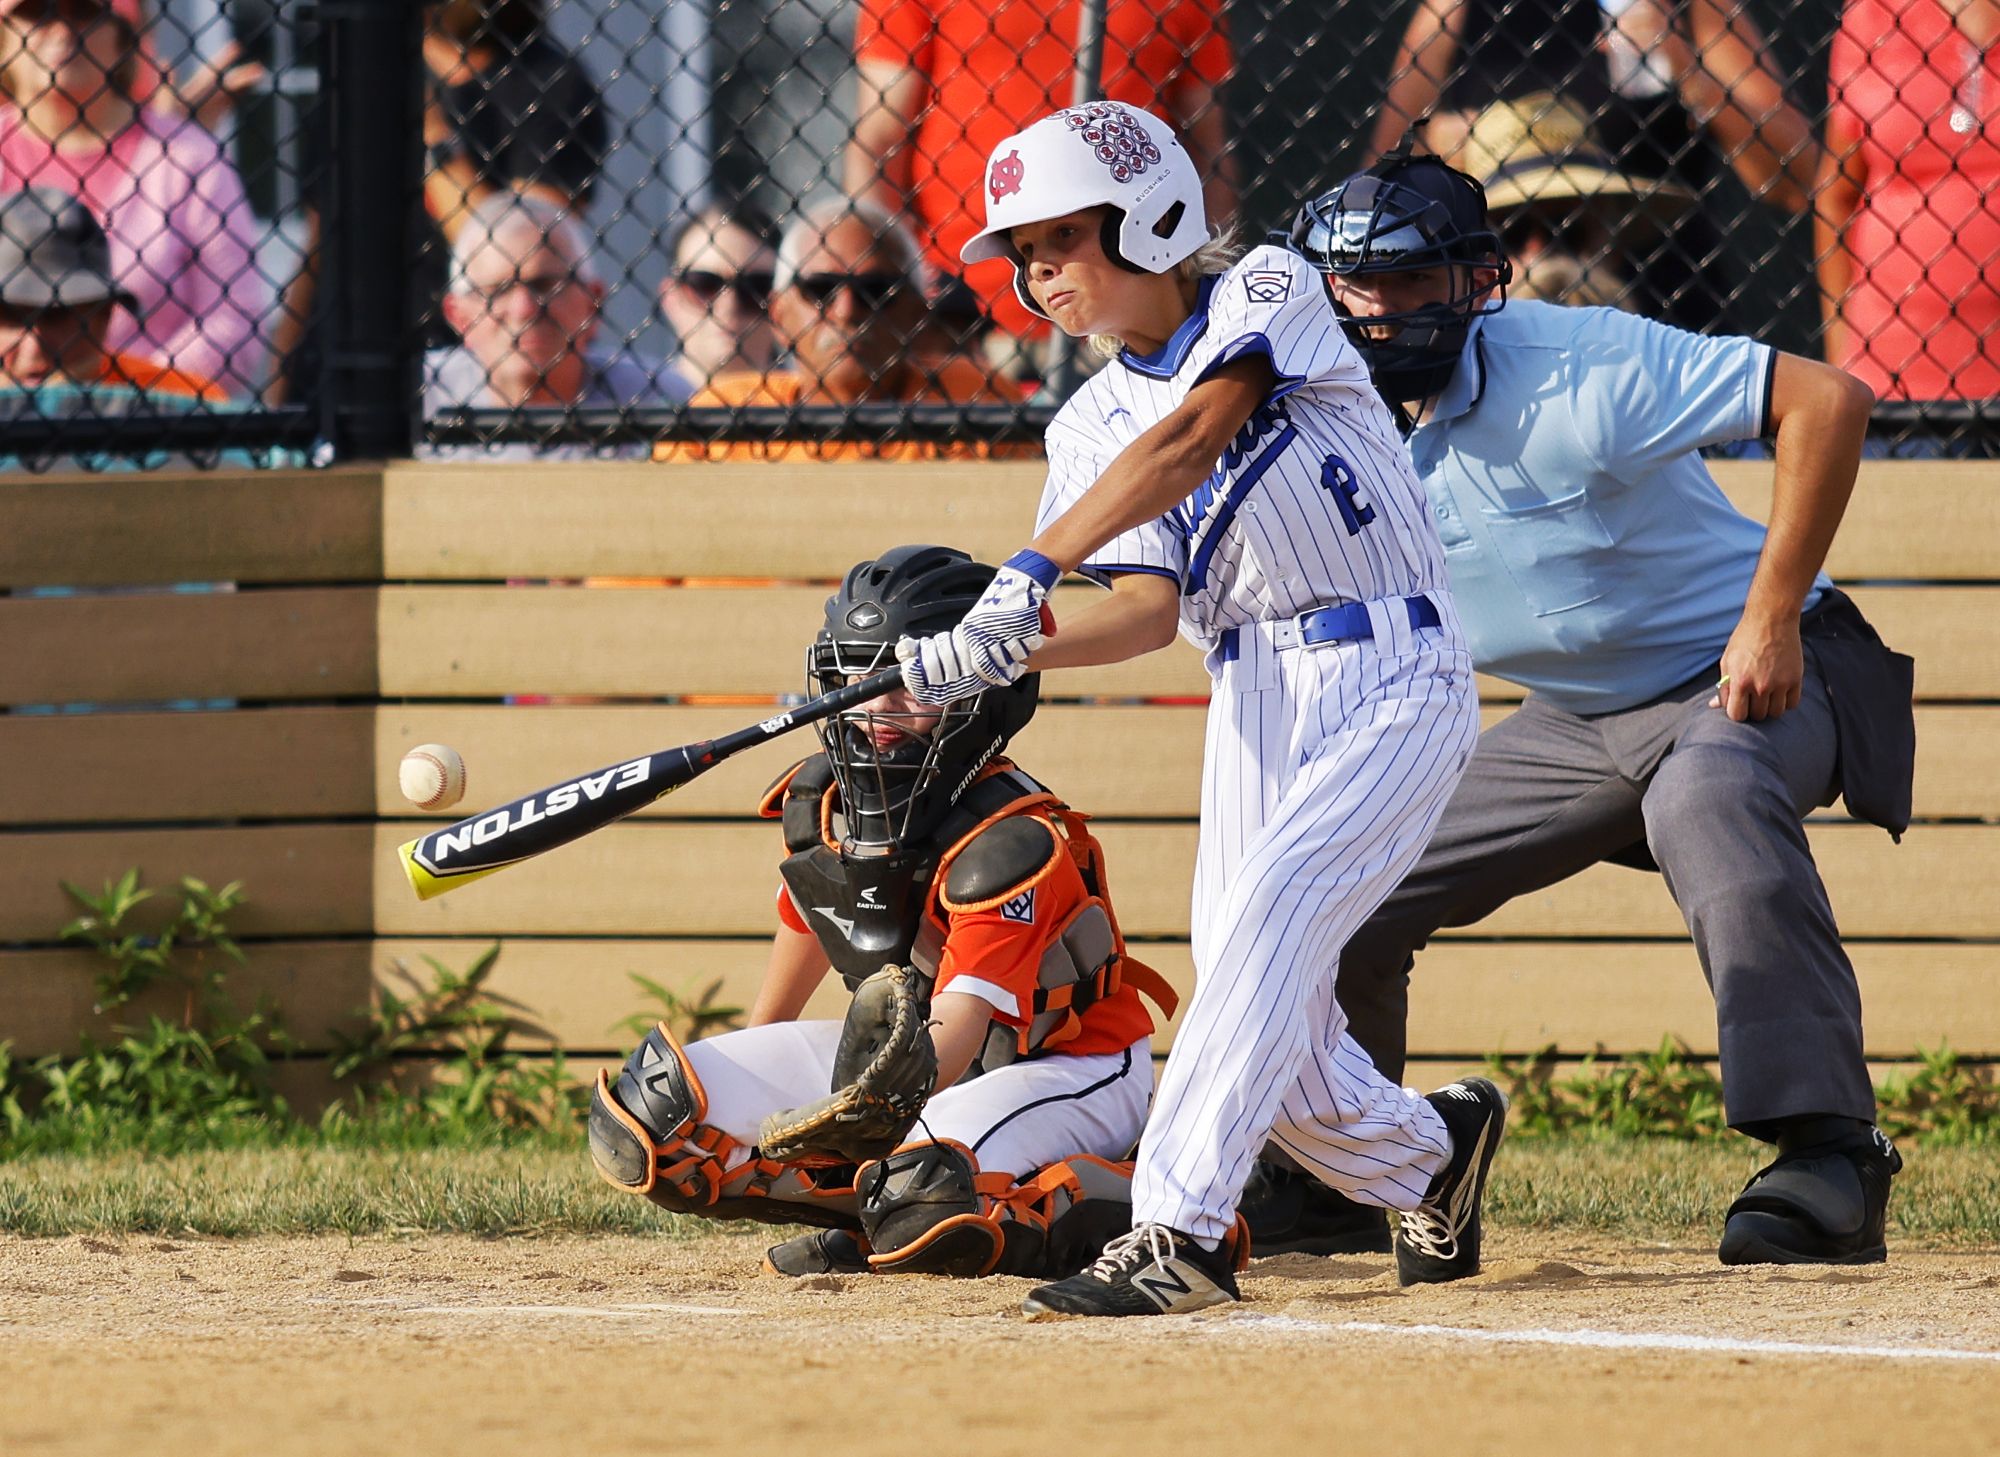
429	886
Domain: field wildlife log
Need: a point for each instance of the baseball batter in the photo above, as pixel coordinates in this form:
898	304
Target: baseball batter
1233	473
995	1063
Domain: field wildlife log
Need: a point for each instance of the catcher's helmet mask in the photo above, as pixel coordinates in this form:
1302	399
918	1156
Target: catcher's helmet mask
894	793
1408	212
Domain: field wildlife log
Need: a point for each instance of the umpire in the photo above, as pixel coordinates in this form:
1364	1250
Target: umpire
1697	686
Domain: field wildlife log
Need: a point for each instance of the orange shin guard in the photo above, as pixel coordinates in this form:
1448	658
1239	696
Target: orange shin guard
647	1136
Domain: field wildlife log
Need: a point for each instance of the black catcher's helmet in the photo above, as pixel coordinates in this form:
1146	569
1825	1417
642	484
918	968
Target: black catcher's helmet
897	779
1408	211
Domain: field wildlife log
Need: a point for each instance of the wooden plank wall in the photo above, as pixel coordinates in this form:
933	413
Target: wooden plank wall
372	610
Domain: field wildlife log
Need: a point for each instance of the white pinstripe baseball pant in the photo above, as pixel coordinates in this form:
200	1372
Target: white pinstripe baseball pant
1327	769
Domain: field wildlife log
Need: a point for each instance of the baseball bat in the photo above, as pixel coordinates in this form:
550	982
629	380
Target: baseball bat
480	844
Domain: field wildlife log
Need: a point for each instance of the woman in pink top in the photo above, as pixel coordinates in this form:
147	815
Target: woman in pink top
182	235
1907	226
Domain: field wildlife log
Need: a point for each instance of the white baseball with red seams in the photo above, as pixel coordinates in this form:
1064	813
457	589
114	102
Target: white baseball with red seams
432	776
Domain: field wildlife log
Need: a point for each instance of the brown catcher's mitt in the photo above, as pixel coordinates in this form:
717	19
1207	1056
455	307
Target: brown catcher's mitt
883	1073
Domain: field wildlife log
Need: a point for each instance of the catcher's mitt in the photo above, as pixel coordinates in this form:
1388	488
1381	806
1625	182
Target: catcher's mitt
883	1073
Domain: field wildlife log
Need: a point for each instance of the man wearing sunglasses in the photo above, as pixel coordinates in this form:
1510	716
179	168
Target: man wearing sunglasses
718	295
850	306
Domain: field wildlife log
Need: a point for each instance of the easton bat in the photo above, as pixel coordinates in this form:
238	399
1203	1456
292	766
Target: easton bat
483	843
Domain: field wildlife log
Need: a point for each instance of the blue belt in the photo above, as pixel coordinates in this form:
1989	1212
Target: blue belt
1345	623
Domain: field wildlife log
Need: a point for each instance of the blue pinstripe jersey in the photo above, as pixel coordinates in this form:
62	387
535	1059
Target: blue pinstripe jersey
1314	503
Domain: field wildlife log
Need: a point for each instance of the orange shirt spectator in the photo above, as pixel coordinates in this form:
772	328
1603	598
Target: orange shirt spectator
956	381
1908	220
945	81
155	378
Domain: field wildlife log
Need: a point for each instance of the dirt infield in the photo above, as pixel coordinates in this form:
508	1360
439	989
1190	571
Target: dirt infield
439	1346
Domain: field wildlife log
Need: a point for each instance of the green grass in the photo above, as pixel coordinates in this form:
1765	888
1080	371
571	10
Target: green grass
529	1188
543	1184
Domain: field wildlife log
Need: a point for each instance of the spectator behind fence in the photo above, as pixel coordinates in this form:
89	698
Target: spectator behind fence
524	296
717	295
59	303
1907	226
509	111
182	236
1571	223
850	304
942	82
1704	90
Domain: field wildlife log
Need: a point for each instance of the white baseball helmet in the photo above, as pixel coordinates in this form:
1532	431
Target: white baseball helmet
1090	156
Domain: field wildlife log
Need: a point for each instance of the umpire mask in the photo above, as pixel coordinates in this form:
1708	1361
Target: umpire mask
1405	213
901	767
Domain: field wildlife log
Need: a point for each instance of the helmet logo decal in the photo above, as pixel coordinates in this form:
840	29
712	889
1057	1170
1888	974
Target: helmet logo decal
1118	137
865	616
1007	175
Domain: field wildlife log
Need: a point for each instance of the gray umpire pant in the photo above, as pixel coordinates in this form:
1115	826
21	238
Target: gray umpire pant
1718	804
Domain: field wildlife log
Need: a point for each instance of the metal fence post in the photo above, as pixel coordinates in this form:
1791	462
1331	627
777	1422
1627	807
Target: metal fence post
1063	373
372	84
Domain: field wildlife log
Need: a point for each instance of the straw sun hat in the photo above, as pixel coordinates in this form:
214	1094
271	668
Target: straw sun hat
1540	149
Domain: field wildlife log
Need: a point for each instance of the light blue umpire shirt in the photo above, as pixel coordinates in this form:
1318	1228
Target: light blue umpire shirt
1593	558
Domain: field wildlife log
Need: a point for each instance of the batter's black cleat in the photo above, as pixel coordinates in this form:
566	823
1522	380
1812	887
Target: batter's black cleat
1821	1205
1290	1212
1153	1270
819	1252
1439	1239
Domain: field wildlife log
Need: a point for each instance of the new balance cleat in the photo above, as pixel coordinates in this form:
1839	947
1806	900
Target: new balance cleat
1153	1270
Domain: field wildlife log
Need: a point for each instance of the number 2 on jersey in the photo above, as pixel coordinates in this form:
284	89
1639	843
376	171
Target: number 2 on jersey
1337	477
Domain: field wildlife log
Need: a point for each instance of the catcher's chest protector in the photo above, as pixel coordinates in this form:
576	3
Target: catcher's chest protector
871	913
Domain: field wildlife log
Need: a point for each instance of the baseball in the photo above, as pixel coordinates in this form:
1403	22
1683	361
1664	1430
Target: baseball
432	776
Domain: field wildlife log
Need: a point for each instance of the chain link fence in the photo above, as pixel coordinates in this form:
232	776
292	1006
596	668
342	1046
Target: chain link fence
676	229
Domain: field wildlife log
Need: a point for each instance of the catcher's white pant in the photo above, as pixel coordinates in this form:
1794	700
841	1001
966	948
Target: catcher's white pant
1327	769
1015	1119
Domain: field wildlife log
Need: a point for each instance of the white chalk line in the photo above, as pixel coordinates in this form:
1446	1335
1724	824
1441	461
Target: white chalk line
1247	1319
1662	1341
635	1308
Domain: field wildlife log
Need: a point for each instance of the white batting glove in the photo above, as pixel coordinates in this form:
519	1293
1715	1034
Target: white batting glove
990	648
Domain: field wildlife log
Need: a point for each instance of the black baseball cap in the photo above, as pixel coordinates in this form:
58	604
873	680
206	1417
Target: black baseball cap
53	253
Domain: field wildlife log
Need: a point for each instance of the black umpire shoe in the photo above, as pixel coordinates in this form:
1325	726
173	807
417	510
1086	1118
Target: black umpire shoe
1439	1239
1824	1204
1291	1212
1153	1270
819	1252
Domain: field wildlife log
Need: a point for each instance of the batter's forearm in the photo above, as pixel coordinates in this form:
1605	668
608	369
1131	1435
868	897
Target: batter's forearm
1162	467
1141	485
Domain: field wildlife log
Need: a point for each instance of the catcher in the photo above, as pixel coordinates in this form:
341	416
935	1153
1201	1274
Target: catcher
995	1060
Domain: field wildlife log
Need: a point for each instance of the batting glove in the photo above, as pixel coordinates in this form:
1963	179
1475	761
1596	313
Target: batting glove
990	648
